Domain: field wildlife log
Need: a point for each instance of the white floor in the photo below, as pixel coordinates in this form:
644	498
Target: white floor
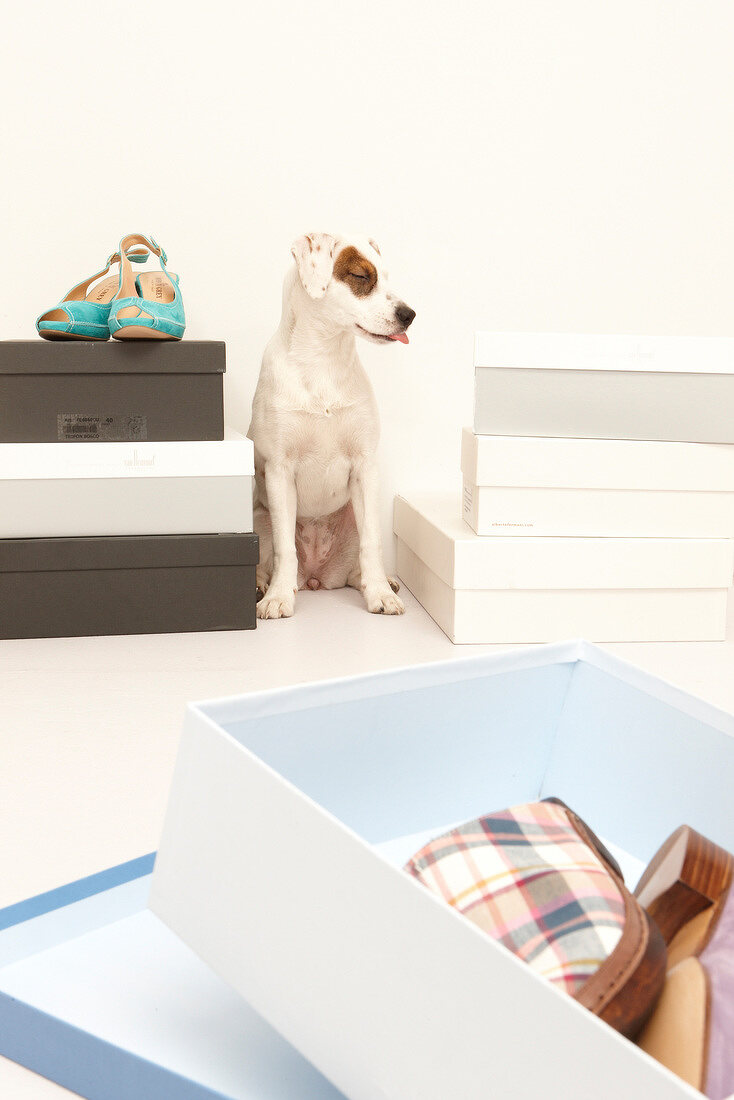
89	727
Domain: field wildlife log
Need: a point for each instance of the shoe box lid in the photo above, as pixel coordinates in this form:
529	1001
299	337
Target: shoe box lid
112	357
127	552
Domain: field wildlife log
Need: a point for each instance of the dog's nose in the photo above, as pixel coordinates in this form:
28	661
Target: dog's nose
404	314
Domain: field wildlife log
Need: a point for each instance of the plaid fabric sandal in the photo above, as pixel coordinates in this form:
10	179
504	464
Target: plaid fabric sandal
536	879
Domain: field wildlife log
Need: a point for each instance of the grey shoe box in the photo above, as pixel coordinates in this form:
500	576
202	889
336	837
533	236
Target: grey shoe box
57	391
688	408
155	584
676	389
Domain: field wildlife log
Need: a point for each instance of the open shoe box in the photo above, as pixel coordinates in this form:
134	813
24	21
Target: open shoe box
291	814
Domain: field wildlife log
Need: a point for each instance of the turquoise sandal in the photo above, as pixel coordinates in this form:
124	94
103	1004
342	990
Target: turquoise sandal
83	313
149	307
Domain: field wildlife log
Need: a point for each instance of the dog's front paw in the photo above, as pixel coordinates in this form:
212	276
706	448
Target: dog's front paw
381	600
277	603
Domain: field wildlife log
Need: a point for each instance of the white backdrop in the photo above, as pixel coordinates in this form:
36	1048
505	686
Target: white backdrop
524	164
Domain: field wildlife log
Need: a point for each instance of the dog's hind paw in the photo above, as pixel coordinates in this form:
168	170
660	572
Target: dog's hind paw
276	605
381	600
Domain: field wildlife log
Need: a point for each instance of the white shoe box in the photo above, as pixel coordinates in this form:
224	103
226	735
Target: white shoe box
52	490
520	485
293	811
606	387
507	589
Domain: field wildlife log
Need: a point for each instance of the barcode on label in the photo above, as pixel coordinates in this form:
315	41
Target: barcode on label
108	429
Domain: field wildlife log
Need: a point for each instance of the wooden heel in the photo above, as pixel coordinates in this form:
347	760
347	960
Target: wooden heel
686	876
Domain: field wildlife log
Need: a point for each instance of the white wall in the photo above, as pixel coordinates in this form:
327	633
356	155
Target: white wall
529	164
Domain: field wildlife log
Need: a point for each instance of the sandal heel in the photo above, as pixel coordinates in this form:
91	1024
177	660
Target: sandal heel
687	875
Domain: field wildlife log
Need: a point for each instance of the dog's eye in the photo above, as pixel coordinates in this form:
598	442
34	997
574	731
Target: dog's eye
357	275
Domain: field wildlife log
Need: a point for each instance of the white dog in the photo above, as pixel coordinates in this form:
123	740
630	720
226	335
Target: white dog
315	428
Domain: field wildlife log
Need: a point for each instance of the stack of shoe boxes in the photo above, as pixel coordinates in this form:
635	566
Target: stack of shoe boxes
125	506
598	494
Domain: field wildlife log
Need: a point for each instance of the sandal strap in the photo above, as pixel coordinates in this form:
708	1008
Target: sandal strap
79	292
137	255
146	242
127	279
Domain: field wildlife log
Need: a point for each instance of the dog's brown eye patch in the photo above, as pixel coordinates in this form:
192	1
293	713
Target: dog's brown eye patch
354	269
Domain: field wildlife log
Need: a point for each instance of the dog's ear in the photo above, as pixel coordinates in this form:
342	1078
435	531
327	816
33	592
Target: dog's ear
314	254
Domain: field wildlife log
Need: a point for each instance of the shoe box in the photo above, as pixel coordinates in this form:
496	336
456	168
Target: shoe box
512	589
607	387
52	490
141	584
529	486
113	391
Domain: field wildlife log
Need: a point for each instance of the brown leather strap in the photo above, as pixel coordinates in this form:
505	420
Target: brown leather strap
626	987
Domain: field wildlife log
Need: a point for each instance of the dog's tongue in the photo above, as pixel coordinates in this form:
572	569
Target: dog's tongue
401	336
